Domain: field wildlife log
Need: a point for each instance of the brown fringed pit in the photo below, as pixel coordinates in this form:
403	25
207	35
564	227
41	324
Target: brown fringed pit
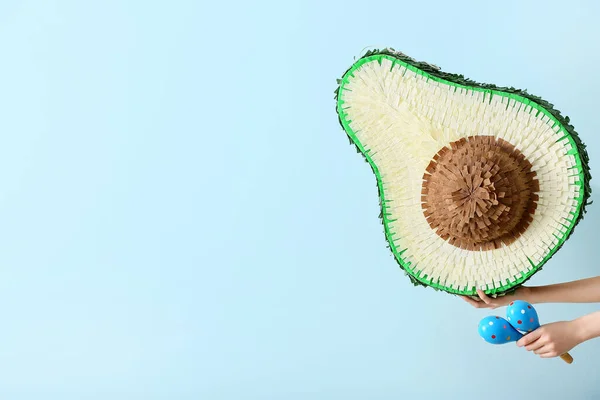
479	193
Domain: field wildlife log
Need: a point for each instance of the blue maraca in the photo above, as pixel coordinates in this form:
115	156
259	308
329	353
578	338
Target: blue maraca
496	330
520	316
523	317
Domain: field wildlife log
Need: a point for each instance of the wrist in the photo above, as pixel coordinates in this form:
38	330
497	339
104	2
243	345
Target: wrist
580	330
587	327
526	294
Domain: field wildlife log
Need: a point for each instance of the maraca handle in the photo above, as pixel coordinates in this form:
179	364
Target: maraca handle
567	358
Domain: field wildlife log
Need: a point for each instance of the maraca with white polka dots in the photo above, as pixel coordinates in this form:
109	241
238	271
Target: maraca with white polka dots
497	330
523	317
520	316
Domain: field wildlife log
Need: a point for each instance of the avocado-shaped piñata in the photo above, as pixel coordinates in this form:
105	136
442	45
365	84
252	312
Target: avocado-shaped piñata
479	185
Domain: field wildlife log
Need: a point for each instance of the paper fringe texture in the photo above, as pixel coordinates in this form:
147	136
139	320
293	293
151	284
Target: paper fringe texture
461	80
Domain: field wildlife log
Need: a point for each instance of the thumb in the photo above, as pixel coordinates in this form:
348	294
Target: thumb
484	297
529	338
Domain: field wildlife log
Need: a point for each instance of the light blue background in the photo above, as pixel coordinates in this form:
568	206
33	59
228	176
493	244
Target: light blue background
182	216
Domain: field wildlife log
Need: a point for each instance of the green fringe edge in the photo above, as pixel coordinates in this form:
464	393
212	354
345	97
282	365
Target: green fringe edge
461	80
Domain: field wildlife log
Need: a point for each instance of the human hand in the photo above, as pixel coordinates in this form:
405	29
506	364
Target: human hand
552	340
486	301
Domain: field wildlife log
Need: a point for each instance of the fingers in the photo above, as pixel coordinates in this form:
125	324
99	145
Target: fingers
542	349
474	303
536	346
484	302
484	297
530	338
539	343
548	351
